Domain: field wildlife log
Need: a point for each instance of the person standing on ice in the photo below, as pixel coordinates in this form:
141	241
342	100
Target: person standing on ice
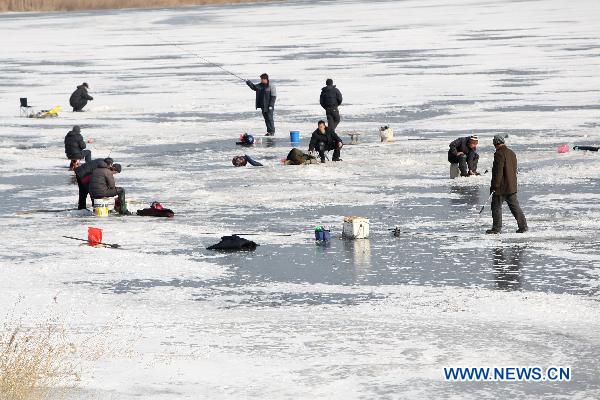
80	97
331	99
504	187
266	94
463	151
102	184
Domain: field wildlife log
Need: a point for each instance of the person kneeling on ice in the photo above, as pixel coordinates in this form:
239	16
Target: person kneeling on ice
324	139
463	151
102	184
80	97
83	175
504	187
75	148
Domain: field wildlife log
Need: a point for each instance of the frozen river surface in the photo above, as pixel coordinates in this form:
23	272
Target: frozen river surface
376	318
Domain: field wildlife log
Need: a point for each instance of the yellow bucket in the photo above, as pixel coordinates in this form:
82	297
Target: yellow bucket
100	207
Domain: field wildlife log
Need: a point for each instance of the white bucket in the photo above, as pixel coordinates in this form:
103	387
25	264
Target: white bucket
355	228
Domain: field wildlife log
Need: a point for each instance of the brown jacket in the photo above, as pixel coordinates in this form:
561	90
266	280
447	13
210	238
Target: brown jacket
504	172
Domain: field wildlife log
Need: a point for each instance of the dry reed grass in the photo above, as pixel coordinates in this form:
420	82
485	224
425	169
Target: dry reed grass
73	5
35	363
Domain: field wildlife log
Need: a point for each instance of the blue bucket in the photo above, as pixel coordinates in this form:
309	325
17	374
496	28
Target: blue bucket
294	136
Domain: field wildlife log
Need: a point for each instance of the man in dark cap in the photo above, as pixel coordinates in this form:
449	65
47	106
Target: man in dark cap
504	187
83	175
75	147
102	184
463	151
266	94
331	99
80	97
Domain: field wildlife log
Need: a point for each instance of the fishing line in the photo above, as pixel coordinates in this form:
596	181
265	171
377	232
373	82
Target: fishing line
193	54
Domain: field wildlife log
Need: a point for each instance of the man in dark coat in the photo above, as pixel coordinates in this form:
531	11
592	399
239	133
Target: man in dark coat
331	99
80	97
102	184
504	187
266	94
75	146
83	175
323	139
463	151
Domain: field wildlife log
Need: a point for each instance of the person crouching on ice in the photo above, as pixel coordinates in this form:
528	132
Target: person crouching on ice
463	151
324	139
102	184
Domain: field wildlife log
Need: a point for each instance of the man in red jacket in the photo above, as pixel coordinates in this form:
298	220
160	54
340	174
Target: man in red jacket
504	187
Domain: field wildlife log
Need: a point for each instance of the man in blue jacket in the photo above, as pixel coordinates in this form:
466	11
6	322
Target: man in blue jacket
265	100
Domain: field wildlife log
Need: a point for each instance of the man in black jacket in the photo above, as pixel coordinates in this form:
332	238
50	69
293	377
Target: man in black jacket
331	99
83	175
324	139
266	94
102	184
463	151
75	147
80	97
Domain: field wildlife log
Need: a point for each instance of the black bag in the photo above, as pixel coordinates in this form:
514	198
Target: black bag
156	210
234	243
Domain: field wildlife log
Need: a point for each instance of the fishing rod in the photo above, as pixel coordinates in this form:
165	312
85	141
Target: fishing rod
194	54
488	200
114	246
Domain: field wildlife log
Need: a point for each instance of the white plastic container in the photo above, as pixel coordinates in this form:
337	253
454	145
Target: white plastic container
355	228
386	135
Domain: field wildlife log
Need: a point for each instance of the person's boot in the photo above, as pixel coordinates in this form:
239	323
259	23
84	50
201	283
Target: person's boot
337	159
522	230
493	231
323	160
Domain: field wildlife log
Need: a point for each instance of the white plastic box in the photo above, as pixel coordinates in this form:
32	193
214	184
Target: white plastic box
355	228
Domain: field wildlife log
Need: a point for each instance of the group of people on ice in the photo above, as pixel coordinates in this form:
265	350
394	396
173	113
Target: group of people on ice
96	177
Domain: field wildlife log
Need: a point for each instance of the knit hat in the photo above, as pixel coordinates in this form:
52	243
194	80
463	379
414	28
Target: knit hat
498	140
264	76
109	161
474	138
86	85
117	168
329	81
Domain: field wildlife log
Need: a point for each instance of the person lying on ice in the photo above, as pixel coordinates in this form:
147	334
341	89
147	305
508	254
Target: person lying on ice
298	157
75	148
83	175
80	97
102	184
463	151
266	94
323	139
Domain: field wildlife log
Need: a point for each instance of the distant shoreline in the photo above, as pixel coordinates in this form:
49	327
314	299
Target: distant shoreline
85	5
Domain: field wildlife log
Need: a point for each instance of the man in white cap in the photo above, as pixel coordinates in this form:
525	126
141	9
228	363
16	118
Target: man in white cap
463	151
504	187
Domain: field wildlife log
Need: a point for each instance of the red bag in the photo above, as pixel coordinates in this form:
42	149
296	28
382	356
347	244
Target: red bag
94	236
